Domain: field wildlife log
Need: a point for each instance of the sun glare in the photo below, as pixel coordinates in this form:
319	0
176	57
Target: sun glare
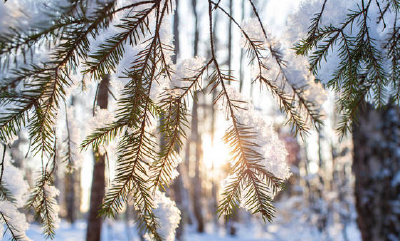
216	153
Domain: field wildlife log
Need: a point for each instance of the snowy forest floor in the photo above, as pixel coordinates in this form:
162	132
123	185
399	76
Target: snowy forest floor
295	230
294	221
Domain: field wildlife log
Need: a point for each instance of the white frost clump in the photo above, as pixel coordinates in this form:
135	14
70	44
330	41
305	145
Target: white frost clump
52	192
269	145
157	87
295	73
14	181
253	30
101	118
176	160
168	215
185	69
14	218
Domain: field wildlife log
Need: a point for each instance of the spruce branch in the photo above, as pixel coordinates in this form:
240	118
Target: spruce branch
15	118
41	201
43	205
50	81
361	73
303	104
6	194
104	134
174	122
136	150
292	105
244	158
172	130
15	234
108	55
19	42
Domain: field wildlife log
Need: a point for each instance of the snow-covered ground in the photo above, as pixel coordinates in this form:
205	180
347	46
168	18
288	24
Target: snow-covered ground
118	231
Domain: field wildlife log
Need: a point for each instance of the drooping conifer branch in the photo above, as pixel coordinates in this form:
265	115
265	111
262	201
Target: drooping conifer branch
14	233
360	73
244	178
173	127
137	149
42	198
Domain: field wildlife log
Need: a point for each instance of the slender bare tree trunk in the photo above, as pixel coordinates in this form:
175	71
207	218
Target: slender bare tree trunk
241	68
196	137
196	28
230	37
93	232
176	33
321	212
339	183
197	190
70	197
70	181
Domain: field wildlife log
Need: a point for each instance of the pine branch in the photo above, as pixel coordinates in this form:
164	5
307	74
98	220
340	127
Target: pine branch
15	236
102	135
108	55
15	118
232	194
50	82
25	43
195	83
136	150
6	194
41	200
244	158
69	155
172	128
43	204
255	48
172	131
361	73
313	35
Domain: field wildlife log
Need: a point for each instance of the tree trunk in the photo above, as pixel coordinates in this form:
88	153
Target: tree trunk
196	28
376	167
230	38
70	196
197	190
241	68
93	232
70	181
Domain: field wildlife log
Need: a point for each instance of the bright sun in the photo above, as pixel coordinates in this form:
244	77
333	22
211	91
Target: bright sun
215	154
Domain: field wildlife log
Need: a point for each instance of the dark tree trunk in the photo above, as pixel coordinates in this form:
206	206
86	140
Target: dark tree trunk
376	167
230	38
176	33
197	190
321	212
196	138
70	196
196	28
70	181
93	232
